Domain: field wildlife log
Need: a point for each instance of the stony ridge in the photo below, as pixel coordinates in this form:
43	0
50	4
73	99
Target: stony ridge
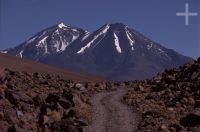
170	101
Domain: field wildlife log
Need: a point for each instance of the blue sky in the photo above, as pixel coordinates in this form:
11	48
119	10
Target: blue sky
21	19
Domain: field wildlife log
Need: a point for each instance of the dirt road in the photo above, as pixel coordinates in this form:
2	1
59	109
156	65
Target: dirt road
111	115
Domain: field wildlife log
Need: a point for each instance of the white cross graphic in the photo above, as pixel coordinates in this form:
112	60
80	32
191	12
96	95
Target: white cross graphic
187	14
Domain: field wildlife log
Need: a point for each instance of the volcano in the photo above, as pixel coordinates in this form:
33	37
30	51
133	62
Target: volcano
114	51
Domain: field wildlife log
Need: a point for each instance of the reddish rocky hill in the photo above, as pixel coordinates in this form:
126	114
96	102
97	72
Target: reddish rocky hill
170	101
17	64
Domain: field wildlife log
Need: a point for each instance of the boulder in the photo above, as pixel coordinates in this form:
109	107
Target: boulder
38	100
15	97
190	120
52	98
65	103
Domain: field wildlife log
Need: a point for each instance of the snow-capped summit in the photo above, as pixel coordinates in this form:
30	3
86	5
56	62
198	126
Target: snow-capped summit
101	33
121	39
50	41
61	25
114	51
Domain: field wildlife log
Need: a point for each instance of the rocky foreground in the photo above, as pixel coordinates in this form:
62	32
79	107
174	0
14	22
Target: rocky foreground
170	101
36	102
40	103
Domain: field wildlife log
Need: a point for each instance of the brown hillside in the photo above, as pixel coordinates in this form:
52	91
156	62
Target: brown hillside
14	63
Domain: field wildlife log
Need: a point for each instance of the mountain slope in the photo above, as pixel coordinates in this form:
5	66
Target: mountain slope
114	51
13	63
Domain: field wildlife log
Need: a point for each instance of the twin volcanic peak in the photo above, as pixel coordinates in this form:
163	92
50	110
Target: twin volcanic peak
115	51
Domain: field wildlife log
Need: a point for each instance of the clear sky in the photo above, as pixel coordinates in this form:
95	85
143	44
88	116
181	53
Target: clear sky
21	19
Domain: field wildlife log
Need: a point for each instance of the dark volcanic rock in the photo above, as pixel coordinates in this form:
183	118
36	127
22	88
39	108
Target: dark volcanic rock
15	97
190	120
52	98
65	103
38	100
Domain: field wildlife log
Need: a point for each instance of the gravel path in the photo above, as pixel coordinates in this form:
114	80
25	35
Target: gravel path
111	115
